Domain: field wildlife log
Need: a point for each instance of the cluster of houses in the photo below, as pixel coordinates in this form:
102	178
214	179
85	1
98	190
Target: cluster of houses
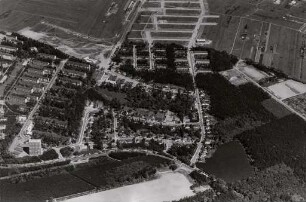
143	57
209	121
138	54
51	119
33	81
115	80
150	117
201	60
74	73
7	52
3	120
180	58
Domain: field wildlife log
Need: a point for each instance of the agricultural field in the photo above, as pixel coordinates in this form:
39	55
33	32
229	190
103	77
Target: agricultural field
263	10
297	103
287	89
67	14
267	33
277	109
222	35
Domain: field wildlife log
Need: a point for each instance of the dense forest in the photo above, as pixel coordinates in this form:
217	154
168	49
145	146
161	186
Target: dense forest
182	152
282	140
237	108
162	76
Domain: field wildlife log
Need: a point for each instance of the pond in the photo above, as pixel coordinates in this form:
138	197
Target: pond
229	163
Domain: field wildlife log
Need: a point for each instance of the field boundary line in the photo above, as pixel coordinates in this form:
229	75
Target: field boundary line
236	36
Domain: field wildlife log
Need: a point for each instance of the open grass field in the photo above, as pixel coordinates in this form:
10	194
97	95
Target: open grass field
188	12
74	15
247	48
182	5
151	4
169	186
171	34
222	35
286	56
176	26
178	19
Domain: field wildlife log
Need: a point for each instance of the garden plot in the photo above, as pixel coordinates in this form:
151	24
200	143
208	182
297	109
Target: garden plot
253	73
287	89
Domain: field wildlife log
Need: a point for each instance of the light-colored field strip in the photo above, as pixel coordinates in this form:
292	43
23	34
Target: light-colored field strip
183	8
164	39
184	16
170	31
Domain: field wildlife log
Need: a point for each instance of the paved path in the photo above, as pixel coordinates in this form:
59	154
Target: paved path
190	58
88	110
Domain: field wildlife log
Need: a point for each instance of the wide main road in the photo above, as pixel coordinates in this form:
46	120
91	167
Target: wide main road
20	138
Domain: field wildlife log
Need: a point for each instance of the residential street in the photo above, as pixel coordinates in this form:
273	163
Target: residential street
21	138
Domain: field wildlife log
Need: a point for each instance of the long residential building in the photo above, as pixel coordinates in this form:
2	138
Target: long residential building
8	49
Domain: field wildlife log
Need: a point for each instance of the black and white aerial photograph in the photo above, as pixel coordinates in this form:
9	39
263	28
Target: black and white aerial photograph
152	100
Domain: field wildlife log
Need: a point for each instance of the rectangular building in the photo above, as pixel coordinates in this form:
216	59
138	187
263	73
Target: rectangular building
35	147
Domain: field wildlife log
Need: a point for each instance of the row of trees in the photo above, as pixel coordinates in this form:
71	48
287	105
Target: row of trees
27	43
219	60
182	152
161	76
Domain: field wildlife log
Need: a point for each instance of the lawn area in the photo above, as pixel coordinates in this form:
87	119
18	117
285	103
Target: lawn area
110	95
229	163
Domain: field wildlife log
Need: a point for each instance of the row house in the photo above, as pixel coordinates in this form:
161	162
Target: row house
22	90
7	56
48	71
74	73
54	122
37	64
78	65
66	80
8	49
46	56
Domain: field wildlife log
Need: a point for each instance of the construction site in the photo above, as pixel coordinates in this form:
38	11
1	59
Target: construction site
171	21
